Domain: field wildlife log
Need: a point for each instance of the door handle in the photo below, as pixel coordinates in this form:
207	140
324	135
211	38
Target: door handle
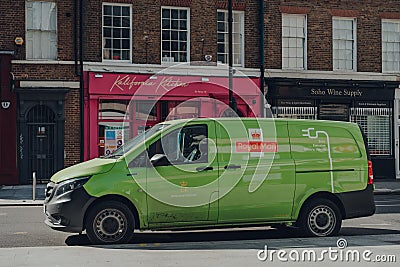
131	174
233	166
200	169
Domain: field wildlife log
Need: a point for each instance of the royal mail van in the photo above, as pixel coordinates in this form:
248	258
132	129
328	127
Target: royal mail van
225	172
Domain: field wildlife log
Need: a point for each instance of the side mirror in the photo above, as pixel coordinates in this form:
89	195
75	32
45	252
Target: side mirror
158	160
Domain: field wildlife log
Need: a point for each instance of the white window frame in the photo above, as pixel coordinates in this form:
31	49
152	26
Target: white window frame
241	34
41	31
187	35
103	38
286	16
398	62
334	67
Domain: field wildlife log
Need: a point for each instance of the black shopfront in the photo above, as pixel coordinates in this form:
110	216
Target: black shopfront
368	103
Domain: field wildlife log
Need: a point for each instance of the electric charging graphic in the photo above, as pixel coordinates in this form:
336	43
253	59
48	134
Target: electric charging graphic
307	133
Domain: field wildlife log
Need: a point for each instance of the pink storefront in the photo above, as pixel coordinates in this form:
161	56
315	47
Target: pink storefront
118	106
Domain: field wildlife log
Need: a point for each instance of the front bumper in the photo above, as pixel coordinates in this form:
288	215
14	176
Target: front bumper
66	212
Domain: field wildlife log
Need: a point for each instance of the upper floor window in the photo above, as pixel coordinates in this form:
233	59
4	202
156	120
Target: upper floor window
175	34
294	37
344	43
41	30
237	37
390	46
117	32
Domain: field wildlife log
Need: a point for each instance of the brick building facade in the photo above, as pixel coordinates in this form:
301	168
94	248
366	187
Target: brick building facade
48	78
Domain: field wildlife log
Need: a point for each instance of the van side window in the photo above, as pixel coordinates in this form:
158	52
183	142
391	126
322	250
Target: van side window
183	146
142	160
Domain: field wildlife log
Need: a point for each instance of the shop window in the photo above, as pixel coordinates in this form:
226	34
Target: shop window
294	37
237	37
174	34
146	110
376	124
41	30
114	125
113	109
391	45
344	43
184	110
117	32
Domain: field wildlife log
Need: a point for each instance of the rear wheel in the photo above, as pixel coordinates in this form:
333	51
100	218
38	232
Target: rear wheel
110	222
320	217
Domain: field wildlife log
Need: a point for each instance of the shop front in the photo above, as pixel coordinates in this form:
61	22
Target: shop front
368	103
118	106
8	129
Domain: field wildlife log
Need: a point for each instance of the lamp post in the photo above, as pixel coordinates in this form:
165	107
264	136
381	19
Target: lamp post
262	59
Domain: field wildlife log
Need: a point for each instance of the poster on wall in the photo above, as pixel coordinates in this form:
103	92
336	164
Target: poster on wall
114	138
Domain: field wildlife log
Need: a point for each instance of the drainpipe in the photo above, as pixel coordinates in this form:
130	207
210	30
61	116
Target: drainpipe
81	80
230	55
262	65
75	36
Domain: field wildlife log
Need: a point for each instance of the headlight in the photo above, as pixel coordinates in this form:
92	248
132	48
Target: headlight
71	184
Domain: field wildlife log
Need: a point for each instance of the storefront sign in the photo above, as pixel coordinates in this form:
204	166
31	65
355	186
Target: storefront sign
336	92
157	85
372	104
365	91
295	103
129	82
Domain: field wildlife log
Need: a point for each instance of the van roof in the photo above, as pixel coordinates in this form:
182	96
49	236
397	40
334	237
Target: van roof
174	122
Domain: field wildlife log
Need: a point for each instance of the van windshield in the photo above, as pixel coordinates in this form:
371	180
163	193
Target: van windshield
135	141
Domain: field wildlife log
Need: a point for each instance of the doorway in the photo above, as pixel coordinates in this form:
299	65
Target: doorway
40	133
41	150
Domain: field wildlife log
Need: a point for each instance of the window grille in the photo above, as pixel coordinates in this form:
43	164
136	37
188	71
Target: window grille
41	30
237	37
344	43
391	46
294	37
376	124
116	32
295	112
175	34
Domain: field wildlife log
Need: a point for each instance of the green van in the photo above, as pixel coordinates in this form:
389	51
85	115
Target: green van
225	172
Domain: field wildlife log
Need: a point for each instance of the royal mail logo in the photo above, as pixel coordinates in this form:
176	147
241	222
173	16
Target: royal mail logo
256	146
255	135
5	104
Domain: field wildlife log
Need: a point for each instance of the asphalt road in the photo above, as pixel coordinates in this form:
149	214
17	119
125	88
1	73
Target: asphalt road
24	227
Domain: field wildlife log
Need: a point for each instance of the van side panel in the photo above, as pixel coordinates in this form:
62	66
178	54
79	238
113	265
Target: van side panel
271	198
329	157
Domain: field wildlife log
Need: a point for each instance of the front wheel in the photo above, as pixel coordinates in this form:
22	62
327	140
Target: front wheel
109	222
320	217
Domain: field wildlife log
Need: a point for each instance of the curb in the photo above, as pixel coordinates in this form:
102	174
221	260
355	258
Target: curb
7	203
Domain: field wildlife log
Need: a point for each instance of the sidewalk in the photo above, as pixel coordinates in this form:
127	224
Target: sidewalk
21	195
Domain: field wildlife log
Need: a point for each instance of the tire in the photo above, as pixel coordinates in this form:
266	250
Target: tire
320	217
110	222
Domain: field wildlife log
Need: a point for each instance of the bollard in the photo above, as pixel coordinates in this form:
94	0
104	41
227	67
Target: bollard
34	186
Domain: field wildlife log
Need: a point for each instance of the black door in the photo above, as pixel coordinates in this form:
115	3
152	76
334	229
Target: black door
40	122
